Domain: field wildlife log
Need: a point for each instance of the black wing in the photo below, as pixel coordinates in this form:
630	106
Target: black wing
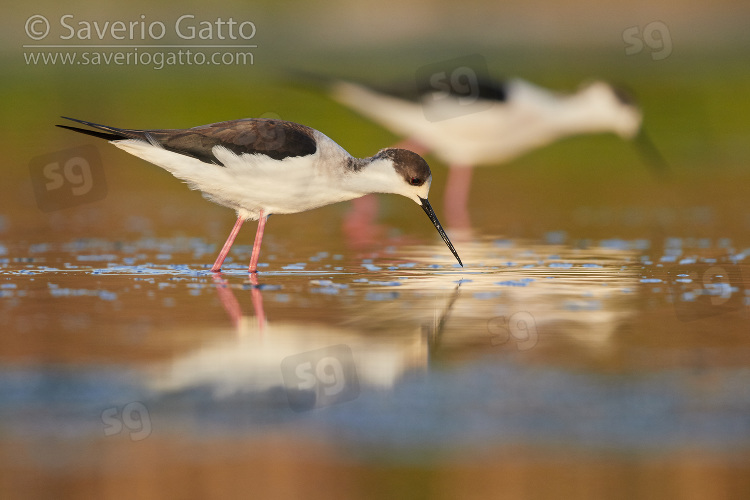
482	87
491	90
277	139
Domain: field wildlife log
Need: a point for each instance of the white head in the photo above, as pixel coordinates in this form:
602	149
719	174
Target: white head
610	109
400	171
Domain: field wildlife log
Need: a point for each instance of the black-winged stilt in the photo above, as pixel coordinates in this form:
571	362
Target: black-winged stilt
493	122
260	167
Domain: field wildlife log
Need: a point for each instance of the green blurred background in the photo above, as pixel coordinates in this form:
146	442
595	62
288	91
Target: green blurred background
696	102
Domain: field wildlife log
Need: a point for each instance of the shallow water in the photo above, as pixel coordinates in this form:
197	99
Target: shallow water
558	355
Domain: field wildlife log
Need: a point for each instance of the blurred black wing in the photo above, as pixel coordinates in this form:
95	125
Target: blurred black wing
490	90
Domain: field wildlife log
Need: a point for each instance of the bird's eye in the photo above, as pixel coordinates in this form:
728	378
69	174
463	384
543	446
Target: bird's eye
415	181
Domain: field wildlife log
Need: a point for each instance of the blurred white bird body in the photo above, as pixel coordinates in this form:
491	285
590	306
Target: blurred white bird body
474	131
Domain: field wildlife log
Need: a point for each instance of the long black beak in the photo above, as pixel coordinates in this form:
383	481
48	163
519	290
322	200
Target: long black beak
651	155
435	222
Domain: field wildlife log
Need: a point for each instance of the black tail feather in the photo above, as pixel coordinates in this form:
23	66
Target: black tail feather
101	135
110	133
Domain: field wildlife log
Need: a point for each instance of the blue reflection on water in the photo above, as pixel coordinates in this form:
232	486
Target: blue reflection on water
480	404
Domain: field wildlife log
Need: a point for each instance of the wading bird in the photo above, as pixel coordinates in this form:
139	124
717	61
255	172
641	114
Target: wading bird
259	167
491	122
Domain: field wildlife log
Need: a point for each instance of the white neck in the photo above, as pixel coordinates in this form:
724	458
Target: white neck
379	176
371	177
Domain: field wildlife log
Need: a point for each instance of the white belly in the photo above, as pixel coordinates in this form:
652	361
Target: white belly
251	183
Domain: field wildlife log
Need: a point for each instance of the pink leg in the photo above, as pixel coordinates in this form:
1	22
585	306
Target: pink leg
457	197
411	145
225	249
360	224
256	244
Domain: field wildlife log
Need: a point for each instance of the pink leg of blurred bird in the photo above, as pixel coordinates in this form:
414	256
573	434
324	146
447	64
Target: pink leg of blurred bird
360	224
457	188
225	249
411	145
256	244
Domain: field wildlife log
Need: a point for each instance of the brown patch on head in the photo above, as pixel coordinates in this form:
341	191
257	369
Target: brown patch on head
408	164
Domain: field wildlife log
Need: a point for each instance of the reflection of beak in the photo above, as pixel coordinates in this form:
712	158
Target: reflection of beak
650	155
435	222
